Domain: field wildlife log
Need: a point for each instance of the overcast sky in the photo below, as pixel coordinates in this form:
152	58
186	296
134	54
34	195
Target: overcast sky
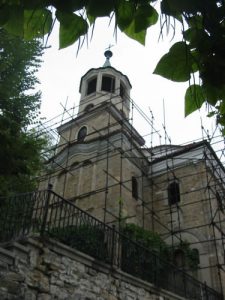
62	69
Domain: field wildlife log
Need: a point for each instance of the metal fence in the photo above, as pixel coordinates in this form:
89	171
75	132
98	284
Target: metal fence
47	213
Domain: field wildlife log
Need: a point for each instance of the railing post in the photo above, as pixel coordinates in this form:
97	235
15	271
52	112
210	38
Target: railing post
45	214
206	292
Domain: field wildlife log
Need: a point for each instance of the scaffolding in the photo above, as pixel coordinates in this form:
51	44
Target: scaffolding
132	171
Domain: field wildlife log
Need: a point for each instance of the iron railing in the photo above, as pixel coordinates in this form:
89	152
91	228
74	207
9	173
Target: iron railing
46	213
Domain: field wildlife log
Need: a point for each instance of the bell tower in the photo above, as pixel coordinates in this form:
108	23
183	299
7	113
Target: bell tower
97	149
105	84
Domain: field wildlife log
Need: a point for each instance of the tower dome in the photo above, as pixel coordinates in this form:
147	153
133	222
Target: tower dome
105	84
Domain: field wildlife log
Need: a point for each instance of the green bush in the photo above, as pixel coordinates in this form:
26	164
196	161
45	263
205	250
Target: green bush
85	238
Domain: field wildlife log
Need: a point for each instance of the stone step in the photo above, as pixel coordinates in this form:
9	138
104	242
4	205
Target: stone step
7	258
18	249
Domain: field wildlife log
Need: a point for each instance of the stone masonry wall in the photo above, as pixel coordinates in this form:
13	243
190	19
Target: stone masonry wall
35	269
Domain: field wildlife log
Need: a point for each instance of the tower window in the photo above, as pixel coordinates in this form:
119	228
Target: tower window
82	134
108	84
91	88
122	91
134	188
173	193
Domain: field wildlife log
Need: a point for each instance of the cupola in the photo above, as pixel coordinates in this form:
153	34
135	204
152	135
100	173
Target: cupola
105	84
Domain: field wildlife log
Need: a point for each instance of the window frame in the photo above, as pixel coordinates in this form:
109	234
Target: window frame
134	187
83	136
173	192
111	89
92	89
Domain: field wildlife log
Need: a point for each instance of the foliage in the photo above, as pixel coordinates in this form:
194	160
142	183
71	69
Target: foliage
201	49
20	148
148	239
86	238
152	241
148	261
191	255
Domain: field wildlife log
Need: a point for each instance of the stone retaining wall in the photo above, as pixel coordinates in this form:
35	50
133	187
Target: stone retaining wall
35	269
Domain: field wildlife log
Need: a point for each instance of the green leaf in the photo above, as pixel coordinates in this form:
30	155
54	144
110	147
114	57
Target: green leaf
36	4
124	14
222	107
91	19
212	93
177	7
146	16
100	8
69	5
194	98
135	23
177	64
4	14
71	28
14	25
138	36
37	23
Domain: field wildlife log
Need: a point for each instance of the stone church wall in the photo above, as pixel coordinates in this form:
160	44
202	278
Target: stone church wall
46	270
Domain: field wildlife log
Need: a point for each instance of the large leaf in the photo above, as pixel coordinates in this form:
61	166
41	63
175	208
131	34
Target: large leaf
177	7
136	24
100	8
4	14
37	23
146	16
124	14
177	64
14	25
71	28
69	5
138	36
36	4
194	98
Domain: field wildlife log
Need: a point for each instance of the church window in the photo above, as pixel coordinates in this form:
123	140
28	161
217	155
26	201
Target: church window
134	188
91	88
196	255
108	84
89	107
179	258
82	134
219	201
173	193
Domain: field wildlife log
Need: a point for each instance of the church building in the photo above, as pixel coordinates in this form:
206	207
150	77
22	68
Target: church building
103	166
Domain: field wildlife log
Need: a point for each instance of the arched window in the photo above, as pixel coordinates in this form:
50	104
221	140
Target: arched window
196	256
179	258
82	134
89	107
91	87
108	84
134	188
173	193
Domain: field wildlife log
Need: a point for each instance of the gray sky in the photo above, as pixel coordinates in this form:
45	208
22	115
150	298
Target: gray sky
62	69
